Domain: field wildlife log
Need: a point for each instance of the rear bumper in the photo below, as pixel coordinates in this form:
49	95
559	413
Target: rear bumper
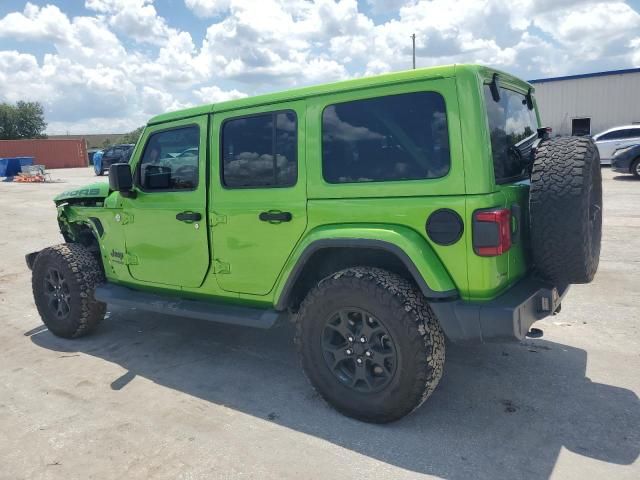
505	318
621	165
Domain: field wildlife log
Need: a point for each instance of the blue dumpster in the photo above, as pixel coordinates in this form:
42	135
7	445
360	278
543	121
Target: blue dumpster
11	166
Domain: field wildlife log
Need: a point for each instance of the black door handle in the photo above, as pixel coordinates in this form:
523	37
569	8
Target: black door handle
188	217
275	217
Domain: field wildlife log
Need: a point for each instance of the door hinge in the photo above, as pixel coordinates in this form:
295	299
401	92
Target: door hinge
123	218
130	259
221	267
215	219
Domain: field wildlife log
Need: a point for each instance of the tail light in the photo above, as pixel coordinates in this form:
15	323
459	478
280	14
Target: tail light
545	132
492	232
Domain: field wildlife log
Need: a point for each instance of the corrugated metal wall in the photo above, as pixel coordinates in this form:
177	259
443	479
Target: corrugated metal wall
50	153
609	100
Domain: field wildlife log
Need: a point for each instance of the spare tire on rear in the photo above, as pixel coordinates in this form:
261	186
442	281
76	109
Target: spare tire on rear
565	208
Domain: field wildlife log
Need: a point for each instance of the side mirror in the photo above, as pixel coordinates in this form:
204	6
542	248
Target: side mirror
121	180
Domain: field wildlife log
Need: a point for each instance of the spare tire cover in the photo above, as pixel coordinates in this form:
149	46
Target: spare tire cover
565	209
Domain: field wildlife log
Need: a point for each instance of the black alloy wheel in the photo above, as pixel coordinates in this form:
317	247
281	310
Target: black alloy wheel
359	350
57	292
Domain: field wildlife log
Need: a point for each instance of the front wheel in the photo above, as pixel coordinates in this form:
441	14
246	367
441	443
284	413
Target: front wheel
370	344
63	281
635	168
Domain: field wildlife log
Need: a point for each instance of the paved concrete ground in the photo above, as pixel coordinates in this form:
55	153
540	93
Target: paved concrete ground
149	396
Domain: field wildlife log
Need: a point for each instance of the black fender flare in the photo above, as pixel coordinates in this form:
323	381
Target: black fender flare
429	293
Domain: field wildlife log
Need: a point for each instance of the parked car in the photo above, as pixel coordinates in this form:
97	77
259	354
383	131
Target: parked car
615	138
627	160
355	209
96	161
90	154
115	154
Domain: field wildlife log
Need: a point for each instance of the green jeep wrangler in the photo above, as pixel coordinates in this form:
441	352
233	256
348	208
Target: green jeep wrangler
382	215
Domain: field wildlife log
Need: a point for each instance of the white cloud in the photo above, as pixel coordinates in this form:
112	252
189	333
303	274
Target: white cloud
137	19
208	8
589	29
386	6
122	61
46	23
215	94
634	44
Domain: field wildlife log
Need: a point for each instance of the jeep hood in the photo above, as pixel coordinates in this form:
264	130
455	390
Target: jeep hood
94	190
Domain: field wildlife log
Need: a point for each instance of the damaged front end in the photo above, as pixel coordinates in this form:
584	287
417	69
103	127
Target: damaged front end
74	213
75	219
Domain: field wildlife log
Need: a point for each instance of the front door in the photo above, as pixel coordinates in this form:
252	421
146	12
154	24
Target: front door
258	199
165	224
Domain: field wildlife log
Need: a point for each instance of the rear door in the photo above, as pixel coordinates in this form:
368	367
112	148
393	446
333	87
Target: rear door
165	224
258	198
513	125
631	136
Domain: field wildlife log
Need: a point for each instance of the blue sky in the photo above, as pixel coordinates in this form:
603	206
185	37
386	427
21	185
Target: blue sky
108	65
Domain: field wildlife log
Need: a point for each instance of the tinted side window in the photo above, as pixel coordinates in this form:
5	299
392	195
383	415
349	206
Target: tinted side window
631	133
127	154
396	137
163	167
260	151
513	128
612	135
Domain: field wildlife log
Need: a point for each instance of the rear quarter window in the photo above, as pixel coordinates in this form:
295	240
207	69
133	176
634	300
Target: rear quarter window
513	128
390	138
632	133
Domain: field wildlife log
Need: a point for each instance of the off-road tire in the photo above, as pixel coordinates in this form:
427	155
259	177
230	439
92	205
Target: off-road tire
81	272
565	207
635	167
419	341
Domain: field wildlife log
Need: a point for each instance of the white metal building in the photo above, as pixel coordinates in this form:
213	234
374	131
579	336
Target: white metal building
590	103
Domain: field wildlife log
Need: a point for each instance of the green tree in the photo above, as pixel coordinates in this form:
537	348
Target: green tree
22	120
7	122
30	120
133	136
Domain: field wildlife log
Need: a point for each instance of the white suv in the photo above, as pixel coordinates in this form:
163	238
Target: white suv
615	138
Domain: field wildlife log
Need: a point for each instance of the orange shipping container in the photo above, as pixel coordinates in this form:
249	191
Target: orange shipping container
50	153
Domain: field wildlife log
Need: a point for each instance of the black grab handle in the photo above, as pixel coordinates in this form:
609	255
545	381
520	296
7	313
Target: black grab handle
188	217
275	216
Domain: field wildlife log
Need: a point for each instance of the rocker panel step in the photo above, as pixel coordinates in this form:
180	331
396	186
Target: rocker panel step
112	294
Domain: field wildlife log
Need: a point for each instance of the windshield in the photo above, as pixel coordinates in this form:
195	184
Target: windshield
513	128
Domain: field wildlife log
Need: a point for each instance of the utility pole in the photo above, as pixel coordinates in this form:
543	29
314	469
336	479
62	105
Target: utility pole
413	39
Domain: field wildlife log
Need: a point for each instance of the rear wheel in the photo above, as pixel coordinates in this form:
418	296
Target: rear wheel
64	278
370	344
97	167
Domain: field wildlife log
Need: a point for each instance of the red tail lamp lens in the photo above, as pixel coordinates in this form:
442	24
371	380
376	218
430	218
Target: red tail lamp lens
492	232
